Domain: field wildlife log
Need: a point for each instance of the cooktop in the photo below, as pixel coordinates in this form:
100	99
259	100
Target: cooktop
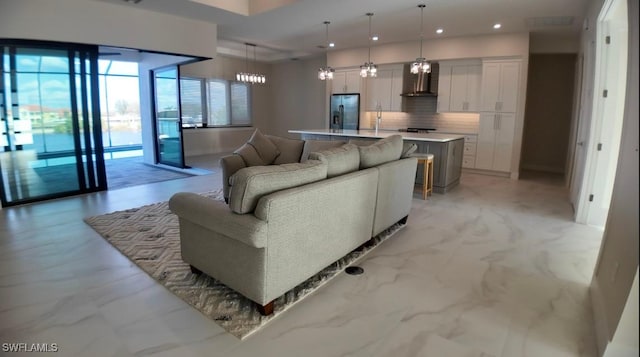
418	130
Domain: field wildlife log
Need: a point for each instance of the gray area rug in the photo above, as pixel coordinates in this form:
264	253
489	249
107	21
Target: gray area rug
150	237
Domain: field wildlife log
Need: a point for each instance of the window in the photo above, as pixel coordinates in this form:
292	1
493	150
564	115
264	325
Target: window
216	102
120	107
192	102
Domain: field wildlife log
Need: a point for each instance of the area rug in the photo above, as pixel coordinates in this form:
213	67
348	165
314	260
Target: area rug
150	237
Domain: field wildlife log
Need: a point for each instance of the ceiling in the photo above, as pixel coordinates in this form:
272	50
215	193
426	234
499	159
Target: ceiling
286	29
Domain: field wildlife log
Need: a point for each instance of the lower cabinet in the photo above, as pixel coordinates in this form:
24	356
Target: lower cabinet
447	163
495	141
470	149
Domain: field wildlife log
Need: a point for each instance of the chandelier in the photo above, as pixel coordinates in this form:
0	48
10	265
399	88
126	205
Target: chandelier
421	64
368	69
325	73
248	77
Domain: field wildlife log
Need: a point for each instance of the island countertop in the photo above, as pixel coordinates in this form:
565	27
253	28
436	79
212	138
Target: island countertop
441	138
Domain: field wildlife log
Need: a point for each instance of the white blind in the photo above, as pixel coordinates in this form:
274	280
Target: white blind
218	112
240	113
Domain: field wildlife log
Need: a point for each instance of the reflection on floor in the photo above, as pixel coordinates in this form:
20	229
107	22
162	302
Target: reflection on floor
496	267
132	171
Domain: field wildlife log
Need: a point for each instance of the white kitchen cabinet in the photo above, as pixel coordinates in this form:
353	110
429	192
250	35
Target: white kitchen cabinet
459	86
494	148
444	88
384	90
500	86
346	81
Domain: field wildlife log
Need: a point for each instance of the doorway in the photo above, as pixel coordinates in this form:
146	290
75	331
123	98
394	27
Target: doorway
607	114
50	136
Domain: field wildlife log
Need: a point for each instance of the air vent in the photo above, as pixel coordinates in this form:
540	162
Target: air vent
550	21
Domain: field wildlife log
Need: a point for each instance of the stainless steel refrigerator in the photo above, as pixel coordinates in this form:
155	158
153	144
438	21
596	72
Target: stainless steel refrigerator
345	111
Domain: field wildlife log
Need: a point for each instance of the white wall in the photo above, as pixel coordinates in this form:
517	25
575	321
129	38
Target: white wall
103	23
298	96
507	45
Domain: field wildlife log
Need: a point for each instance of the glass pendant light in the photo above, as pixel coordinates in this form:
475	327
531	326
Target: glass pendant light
326	73
421	64
368	69
248	77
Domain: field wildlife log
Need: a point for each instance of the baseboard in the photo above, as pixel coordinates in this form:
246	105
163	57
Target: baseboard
486	172
543	168
599	317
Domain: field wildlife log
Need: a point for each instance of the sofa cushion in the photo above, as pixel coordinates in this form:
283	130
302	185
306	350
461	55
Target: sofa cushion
290	149
340	160
249	184
384	150
265	148
317	145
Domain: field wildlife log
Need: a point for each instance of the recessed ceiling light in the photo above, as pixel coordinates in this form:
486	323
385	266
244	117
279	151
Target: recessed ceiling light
439	31
497	26
332	44
375	38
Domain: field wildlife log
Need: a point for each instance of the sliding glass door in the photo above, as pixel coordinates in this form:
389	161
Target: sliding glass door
50	142
168	117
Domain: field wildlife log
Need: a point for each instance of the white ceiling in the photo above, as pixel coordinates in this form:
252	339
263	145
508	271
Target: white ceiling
295	29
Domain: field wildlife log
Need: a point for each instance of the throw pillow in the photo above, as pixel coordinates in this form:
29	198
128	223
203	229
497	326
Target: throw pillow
290	149
249	155
340	160
266	149
384	150
408	149
249	184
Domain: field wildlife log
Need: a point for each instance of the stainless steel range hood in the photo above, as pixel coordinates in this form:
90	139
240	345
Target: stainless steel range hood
422	84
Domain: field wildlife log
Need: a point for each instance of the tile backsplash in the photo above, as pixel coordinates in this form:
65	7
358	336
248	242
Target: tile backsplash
421	113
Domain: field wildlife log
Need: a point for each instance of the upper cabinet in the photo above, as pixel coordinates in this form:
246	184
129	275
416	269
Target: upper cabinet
459	86
346	81
383	92
500	85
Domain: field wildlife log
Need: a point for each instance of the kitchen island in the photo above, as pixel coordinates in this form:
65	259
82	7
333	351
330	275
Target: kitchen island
447	150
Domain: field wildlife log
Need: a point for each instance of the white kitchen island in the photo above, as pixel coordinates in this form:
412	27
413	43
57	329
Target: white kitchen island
447	150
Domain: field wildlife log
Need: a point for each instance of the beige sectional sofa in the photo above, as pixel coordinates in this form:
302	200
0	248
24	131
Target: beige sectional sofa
284	223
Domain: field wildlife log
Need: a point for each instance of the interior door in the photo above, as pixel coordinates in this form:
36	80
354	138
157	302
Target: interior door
168	117
610	110
50	136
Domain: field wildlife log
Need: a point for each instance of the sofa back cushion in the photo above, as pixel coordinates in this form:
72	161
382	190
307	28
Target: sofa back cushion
340	160
290	149
318	145
249	184
384	150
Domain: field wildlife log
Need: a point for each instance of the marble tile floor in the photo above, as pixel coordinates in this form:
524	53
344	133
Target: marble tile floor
493	268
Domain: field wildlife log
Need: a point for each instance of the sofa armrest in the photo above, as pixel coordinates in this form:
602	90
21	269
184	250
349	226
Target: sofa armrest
230	165
216	216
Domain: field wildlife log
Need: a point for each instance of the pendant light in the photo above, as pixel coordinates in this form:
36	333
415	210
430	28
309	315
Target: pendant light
248	77
368	69
326	73
421	64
